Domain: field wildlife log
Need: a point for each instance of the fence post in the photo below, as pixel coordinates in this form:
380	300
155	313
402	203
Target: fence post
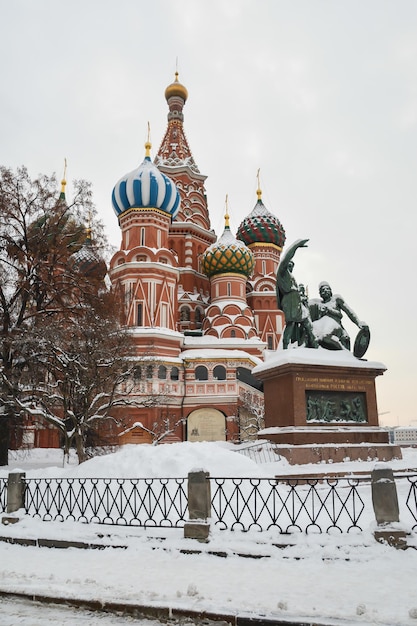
15	491
385	502
199	506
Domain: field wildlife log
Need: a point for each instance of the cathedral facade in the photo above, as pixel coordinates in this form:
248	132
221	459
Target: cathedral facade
201	310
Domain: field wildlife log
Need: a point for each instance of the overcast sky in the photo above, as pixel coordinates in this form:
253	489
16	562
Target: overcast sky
320	95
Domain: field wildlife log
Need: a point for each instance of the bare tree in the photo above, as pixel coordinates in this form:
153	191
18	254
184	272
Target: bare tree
155	397
166	426
251	414
41	285
73	374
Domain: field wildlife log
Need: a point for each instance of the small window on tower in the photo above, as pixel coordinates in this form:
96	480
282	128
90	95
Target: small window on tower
270	340
139	314
142	236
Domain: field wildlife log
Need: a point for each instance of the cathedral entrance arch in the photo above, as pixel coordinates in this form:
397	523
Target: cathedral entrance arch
206	425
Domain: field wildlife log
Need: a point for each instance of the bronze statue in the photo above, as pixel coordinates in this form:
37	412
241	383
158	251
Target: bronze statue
298	326
327	314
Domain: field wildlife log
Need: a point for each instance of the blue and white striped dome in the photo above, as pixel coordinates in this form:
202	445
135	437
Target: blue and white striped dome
146	187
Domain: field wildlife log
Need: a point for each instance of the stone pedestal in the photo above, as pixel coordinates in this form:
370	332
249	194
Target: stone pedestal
320	405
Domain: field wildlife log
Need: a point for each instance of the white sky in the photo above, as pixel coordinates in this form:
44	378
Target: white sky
322	96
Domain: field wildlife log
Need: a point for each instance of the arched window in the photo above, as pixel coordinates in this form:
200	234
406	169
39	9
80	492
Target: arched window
219	372
201	372
162	372
232	334
198	317
137	373
175	373
185	314
149	371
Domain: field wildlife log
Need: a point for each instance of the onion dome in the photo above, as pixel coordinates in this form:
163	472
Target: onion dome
146	188
176	89
261	226
87	260
227	255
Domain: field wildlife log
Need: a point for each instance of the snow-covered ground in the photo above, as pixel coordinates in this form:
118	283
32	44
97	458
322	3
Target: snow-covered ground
344	578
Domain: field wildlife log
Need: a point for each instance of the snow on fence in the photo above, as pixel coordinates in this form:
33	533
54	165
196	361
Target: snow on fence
286	505
258	451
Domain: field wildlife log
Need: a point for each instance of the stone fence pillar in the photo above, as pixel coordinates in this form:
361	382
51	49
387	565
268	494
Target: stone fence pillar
15	491
199	506
385	501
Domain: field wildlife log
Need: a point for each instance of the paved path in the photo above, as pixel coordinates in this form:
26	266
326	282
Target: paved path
18	612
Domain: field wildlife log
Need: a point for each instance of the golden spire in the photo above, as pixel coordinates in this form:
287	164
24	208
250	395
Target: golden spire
88	229
259	191
148	144
226	215
64	180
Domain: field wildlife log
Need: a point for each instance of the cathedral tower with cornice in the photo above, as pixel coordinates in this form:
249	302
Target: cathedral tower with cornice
202	312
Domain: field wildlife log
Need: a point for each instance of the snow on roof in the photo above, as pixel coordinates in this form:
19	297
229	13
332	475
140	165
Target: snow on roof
315	356
208	353
147	330
210	340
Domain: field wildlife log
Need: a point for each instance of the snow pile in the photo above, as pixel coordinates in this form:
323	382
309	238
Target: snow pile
168	461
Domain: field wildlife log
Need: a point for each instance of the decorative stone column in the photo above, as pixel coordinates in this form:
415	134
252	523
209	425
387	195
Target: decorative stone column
385	502
199	506
15	496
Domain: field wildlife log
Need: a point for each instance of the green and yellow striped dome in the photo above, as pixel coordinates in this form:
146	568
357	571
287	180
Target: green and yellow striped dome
227	255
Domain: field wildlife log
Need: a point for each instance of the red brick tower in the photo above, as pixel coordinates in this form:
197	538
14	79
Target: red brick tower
190	233
264	235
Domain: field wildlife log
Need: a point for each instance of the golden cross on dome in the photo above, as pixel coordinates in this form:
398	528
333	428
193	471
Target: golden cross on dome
148	144
226	215
258	191
64	178
89	227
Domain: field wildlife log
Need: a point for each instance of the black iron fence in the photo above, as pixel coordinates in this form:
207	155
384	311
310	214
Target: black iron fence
308	505
134	501
3	494
411	498
289	505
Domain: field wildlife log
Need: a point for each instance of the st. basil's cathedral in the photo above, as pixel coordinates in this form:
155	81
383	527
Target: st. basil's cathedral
202	311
